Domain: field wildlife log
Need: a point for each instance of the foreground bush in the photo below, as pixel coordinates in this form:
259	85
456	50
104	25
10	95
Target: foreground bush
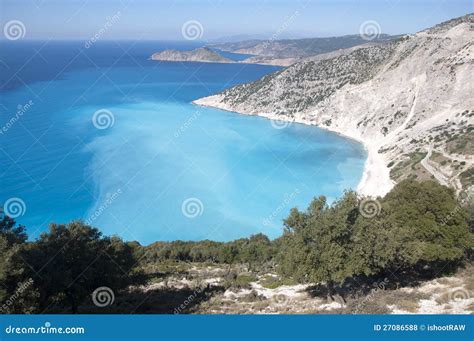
417	227
64	267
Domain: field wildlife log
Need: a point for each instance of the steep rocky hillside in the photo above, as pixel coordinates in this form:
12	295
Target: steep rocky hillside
297	48
300	87
410	101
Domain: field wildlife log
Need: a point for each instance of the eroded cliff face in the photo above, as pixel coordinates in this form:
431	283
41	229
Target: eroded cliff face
411	102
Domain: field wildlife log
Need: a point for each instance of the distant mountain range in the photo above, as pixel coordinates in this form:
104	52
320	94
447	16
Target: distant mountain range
297	48
274	52
410	100
260	37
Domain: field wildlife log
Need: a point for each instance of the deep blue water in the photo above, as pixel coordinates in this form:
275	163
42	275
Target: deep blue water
231	175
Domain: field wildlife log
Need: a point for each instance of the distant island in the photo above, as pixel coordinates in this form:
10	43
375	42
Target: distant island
202	54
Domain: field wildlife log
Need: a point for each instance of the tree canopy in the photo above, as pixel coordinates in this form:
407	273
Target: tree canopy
416	225
71	261
65	265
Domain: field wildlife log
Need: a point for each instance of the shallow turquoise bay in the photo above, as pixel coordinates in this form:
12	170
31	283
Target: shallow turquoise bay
165	169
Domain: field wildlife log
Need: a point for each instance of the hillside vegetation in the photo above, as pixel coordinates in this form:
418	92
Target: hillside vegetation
297	48
328	253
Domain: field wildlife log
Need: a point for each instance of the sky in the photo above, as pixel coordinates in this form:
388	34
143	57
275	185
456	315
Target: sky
166	19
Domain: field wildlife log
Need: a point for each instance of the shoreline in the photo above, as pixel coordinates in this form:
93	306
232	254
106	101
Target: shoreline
375	180
269	63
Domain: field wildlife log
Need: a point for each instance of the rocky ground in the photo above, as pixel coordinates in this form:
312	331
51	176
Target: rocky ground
214	289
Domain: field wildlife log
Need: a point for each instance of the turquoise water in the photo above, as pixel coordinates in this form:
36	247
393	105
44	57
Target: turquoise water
165	169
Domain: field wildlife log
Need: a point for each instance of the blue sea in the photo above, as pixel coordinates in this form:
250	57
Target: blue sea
105	135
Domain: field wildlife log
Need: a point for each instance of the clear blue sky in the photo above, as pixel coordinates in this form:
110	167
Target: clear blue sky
163	19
